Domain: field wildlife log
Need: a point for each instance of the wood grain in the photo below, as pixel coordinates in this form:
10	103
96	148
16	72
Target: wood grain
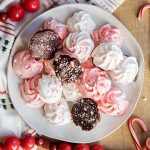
127	14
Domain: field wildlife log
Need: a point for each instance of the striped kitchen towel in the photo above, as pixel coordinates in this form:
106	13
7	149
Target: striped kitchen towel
108	5
10	122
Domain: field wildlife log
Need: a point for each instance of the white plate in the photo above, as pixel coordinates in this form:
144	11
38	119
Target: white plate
34	117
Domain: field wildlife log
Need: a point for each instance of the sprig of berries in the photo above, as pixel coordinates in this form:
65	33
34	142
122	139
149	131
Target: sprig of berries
28	142
16	12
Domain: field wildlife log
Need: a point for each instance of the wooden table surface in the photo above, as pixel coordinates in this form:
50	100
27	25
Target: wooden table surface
127	14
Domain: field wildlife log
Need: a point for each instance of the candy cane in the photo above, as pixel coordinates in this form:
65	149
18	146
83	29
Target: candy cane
132	130
148	143
142	10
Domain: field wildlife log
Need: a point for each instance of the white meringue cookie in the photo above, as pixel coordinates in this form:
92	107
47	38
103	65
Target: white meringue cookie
79	45
125	72
58	113
81	21
50	89
107	56
71	92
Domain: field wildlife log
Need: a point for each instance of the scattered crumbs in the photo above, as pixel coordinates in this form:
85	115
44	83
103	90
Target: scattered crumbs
144	98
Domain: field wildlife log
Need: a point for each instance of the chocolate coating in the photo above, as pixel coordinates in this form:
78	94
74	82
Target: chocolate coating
44	44
85	114
68	69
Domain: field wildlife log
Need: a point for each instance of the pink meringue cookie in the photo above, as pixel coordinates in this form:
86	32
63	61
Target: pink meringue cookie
48	66
114	102
26	66
94	84
78	45
29	92
107	34
60	28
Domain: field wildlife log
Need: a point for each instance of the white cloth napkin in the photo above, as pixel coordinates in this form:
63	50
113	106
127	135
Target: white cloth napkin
10	121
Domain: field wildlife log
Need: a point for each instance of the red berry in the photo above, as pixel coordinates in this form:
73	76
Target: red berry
65	146
43	142
31	5
12	143
16	12
53	147
81	147
3	16
39	141
28	142
97	147
1	148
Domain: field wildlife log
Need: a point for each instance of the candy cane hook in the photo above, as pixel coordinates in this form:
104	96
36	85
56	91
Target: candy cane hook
142	10
148	143
132	130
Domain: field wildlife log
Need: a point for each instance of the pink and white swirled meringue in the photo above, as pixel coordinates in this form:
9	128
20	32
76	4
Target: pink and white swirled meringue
81	21
60	28
94	84
125	72
58	113
114	103
50	89
29	92
107	56
26	66
79	45
48	67
107	34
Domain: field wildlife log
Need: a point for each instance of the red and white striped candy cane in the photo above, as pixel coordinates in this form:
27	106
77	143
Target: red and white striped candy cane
142	10
132	130
148	143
